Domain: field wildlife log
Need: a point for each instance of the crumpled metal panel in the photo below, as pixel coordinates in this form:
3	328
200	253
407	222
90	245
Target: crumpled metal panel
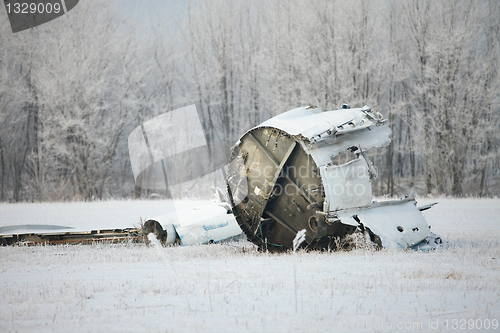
350	127
294	121
324	151
399	224
311	122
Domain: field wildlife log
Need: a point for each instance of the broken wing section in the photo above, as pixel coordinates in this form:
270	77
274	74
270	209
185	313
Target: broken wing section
398	224
54	234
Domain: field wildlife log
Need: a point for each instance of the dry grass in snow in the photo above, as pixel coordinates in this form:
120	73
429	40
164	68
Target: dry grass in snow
232	287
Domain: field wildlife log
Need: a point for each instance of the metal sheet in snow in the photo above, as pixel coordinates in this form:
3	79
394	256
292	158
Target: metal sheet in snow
399	224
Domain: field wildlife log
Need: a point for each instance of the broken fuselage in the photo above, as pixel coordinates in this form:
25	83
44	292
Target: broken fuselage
307	170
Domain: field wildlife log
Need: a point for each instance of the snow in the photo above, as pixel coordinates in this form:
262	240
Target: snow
232	287
299	238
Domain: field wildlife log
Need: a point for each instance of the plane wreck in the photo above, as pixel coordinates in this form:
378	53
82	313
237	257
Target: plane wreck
307	170
303	172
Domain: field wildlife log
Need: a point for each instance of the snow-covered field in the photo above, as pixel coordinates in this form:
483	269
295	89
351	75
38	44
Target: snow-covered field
232	288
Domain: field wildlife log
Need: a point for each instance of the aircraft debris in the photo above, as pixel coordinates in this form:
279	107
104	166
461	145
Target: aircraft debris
304	172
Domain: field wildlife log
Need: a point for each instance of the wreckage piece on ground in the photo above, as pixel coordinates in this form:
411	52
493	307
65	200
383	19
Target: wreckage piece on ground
55	234
307	170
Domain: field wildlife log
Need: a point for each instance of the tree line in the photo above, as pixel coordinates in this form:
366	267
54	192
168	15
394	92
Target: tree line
73	89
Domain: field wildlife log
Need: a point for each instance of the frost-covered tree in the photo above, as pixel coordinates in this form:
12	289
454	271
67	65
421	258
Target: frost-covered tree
73	89
70	103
